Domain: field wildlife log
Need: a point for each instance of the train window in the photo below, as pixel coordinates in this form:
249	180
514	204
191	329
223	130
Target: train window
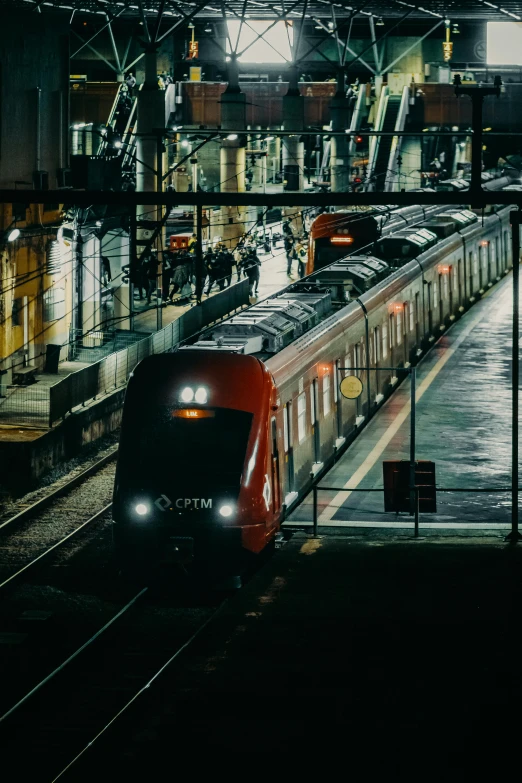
384	340
313	414
399	327
347	363
475	263
506	248
326	394
285	428
162	446
392	331
336	380
377	345
412	317
446	286
301	417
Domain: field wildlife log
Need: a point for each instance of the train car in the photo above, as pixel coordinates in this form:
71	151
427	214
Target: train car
336	234
223	437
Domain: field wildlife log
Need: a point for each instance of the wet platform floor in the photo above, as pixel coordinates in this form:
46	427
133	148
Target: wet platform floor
463	424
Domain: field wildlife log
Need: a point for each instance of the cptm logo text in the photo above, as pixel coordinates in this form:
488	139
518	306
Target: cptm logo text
164	503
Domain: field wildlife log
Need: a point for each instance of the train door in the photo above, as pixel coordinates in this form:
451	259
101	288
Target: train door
452	277
289	454
314	403
358	372
417	320
480	269
399	337
377	356
487	252
460	279
337	400
276	494
497	258
443	280
406	325
470	270
430	308
391	339
506	249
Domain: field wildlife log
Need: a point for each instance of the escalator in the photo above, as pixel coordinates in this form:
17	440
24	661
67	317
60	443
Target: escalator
384	147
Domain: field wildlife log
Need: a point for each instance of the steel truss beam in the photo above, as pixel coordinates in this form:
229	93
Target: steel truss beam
85	198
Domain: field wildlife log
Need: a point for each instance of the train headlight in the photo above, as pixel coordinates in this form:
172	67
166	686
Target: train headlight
142	509
226	511
201	395
187	395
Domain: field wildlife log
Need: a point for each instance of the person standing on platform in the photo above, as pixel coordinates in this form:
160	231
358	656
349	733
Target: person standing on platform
152	275
302	257
289	250
226	264
130	81
252	268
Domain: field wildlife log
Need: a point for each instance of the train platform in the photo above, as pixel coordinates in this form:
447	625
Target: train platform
340	646
273	278
463	425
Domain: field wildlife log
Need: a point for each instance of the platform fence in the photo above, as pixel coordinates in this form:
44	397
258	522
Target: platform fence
316	522
24	405
39	405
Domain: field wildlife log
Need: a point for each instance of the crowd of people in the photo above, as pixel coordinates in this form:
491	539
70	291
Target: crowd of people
220	265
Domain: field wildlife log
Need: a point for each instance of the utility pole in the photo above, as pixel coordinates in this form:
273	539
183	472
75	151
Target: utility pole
477	95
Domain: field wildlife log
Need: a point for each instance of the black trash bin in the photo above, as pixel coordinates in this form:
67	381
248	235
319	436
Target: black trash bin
52	357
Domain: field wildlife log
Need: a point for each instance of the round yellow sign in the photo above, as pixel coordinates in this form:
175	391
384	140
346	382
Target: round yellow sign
351	387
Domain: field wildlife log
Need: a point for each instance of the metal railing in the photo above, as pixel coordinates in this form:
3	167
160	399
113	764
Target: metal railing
24	405
113	371
41	406
316	523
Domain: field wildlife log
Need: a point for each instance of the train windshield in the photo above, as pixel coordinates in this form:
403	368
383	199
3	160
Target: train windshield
191	447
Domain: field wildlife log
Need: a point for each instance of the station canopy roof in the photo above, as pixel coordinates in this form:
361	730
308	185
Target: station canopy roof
456	10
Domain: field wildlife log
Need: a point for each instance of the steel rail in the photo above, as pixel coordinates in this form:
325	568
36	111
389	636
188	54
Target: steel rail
46	501
90	521
142	690
71	657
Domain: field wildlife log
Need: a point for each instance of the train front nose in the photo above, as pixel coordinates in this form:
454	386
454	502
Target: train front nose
168	528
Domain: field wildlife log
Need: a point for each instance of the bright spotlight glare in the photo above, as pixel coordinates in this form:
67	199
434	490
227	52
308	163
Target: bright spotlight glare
225	511
14	234
141	509
184	143
187	395
201	395
232	137
117	144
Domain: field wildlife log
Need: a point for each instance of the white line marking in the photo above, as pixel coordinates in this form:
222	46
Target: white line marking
410	525
392	430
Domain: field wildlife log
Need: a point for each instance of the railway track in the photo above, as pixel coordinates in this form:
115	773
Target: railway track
48	524
85	693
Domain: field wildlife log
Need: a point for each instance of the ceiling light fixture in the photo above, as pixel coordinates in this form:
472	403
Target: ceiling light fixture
380	22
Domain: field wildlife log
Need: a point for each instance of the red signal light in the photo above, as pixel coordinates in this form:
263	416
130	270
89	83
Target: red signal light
358	139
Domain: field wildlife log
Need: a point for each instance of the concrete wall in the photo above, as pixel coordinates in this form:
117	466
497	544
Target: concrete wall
33	54
23	462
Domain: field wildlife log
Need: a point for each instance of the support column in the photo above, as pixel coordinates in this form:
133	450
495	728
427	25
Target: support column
340	156
232	157
149	155
293	147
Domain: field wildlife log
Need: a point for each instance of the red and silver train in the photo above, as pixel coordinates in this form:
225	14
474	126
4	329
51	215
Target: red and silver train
221	438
